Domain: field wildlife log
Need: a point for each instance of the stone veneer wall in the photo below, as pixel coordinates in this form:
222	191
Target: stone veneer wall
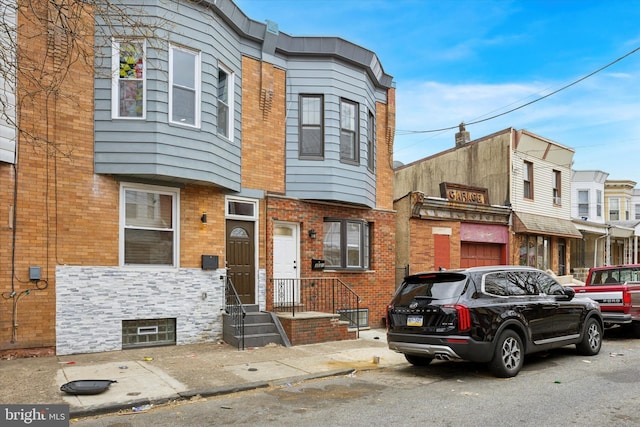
92	302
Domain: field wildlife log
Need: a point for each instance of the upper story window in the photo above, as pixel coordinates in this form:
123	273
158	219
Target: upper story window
371	141
627	214
349	131
184	84
311	126
148	225
346	243
225	102
557	187
527	174
128	89
614	209
583	203
599	203
637	214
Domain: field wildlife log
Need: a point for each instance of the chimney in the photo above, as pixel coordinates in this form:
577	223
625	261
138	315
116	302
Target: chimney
462	137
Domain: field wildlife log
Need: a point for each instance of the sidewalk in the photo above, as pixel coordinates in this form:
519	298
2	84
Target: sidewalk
161	374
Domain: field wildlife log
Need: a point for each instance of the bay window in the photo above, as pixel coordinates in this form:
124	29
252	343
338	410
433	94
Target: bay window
184	86
128	89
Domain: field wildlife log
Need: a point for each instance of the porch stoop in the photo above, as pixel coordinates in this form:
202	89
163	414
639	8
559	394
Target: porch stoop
260	329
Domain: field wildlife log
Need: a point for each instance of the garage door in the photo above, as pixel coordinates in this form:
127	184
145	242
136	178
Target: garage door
479	254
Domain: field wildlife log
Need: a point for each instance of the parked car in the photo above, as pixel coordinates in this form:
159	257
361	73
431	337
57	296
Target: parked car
617	289
493	315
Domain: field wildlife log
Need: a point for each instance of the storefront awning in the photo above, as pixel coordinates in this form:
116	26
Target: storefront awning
538	224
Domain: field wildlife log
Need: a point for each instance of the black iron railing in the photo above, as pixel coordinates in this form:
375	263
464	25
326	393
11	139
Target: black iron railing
235	310
325	295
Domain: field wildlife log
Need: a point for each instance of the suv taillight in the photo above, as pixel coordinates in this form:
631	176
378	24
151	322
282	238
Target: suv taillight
389	308
464	316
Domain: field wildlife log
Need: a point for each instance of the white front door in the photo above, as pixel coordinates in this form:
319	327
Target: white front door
285	264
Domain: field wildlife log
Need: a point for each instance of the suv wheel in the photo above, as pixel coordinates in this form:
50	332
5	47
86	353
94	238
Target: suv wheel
508	355
418	360
591	339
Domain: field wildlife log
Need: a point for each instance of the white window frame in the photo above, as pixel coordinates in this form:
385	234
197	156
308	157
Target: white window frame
115	79
583	204
175	226
196	89
229	200
614	201
599	203
230	102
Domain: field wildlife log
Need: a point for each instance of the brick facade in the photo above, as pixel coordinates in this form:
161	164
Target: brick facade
67	221
374	286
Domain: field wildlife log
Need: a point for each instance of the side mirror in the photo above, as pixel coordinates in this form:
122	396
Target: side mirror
569	293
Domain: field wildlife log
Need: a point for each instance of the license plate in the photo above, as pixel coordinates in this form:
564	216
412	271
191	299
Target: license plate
414	320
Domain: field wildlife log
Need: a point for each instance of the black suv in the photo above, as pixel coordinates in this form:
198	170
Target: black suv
489	314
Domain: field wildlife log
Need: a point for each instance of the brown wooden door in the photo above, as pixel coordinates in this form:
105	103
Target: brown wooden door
480	254
241	259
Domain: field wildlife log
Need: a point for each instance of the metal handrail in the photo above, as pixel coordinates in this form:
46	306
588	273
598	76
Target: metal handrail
235	309
328	295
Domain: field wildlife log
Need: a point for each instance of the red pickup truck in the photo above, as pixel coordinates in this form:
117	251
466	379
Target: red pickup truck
617	289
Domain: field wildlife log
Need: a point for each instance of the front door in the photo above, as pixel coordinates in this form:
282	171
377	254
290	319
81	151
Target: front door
562	258
286	287
241	259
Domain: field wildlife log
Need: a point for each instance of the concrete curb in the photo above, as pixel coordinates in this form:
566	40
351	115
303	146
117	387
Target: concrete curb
216	391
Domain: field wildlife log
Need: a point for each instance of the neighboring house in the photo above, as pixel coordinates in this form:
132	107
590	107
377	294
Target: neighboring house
220	149
622	241
502	199
587	212
7	84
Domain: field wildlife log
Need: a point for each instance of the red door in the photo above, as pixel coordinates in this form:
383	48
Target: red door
442	255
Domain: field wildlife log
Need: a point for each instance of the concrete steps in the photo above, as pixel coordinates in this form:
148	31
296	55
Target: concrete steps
260	329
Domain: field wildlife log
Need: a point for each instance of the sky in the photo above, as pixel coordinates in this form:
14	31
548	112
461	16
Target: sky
576	63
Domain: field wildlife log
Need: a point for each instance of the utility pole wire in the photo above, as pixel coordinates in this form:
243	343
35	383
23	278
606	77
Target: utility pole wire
530	102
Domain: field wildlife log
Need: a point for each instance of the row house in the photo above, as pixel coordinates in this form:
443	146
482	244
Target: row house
606	214
501	199
205	149
622	239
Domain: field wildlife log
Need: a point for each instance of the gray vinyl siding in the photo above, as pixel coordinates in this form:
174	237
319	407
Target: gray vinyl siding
154	148
7	87
330	178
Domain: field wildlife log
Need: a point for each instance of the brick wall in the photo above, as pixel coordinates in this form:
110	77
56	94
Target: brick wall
421	242
59	205
385	129
263	126
315	329
374	286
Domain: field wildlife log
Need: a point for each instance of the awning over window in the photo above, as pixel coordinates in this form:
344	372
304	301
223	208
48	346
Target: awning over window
538	224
